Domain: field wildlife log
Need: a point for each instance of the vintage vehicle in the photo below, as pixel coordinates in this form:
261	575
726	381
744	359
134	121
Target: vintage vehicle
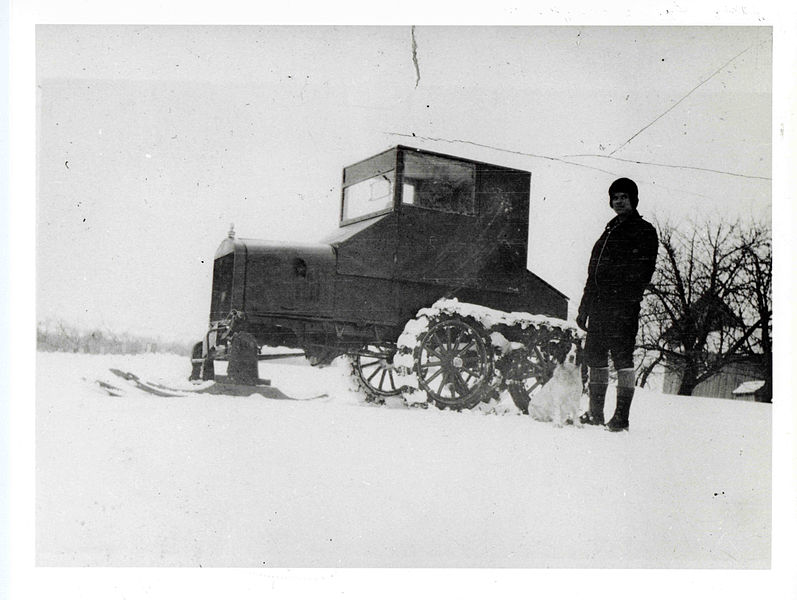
415	227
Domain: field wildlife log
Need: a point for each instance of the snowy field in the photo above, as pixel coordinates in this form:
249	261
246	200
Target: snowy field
223	481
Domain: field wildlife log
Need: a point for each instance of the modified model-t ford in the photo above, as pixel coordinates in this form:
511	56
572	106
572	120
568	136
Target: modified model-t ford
415	227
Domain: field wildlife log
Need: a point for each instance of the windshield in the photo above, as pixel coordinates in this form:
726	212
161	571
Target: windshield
368	197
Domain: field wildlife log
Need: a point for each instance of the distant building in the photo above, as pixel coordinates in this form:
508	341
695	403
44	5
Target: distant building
711	316
725	383
751	391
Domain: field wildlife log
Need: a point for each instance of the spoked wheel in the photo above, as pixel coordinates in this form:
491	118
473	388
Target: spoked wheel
374	366
453	364
540	366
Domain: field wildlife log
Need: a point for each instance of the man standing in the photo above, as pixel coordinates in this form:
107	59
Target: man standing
620	268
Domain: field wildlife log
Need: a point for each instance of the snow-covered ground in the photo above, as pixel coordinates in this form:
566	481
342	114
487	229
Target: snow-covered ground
219	480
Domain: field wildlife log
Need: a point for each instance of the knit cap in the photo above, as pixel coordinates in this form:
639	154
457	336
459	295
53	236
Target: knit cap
625	185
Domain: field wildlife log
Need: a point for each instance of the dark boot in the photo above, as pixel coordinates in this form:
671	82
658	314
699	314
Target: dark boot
597	398
619	422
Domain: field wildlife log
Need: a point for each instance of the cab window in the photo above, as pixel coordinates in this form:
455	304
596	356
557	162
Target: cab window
368	197
439	184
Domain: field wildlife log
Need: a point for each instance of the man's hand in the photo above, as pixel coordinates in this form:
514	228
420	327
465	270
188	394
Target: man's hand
581	321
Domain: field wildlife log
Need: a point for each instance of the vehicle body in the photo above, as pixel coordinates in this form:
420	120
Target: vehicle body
415	226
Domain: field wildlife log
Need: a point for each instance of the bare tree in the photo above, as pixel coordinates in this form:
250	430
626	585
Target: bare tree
709	304
755	299
57	336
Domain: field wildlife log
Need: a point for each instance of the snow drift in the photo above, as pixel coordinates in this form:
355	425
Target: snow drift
142	480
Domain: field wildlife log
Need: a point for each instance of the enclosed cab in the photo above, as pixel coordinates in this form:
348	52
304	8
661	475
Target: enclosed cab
415	226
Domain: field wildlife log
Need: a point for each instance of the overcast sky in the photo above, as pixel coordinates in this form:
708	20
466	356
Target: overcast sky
152	140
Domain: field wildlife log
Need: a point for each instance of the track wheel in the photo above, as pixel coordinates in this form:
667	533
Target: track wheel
454	364
373	364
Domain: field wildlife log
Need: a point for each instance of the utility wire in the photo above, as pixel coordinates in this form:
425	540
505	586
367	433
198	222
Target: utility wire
654	164
455	141
689	93
567	162
562	159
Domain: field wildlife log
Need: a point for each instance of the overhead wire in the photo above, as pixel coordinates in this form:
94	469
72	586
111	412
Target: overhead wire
685	96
